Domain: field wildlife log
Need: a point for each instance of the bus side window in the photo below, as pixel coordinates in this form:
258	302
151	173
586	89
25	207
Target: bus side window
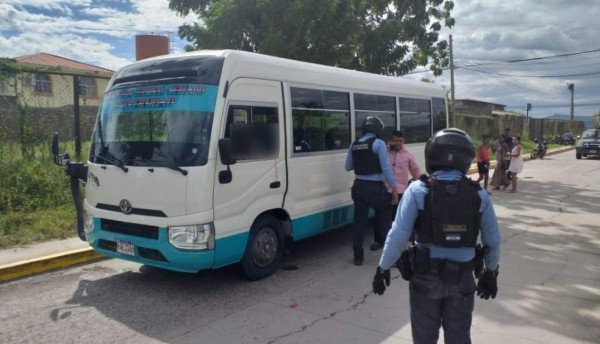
254	132
320	119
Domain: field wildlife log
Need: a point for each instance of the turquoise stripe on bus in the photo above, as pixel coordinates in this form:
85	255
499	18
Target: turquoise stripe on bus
230	250
311	225
177	259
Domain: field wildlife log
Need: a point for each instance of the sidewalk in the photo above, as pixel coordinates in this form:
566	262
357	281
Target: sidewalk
23	261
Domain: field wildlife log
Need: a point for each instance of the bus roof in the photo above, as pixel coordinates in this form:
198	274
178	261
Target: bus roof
255	65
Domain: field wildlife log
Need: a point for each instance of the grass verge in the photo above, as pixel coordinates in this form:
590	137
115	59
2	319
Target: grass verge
21	228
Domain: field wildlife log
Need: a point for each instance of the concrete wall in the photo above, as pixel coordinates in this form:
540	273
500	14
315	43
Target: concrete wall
38	124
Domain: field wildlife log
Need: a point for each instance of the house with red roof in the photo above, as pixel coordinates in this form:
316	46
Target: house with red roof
40	88
46	80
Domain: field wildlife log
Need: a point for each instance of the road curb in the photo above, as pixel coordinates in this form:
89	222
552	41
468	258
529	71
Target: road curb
56	261
62	260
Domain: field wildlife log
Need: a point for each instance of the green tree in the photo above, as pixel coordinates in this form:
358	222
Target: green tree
389	37
596	120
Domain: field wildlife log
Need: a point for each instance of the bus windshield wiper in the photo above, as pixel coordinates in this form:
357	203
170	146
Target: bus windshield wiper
163	164
113	160
175	168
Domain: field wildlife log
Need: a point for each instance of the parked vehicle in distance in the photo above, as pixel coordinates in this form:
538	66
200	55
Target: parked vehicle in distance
564	139
568	139
540	149
589	143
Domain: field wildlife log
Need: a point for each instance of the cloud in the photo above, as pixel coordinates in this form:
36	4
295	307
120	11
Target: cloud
488	32
84	31
102	32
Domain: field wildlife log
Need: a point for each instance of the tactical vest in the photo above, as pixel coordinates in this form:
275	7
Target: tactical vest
364	159
450	217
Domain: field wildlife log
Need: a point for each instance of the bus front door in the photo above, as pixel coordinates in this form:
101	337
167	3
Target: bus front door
258	180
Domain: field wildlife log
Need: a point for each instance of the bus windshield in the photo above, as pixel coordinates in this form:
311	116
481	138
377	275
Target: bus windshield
157	125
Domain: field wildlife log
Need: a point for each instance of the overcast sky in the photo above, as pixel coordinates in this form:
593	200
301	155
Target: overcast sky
562	36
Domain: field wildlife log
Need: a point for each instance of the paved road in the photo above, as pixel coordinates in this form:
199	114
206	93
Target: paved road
549	286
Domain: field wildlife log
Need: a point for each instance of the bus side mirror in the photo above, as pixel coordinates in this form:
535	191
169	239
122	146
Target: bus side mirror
225	152
59	160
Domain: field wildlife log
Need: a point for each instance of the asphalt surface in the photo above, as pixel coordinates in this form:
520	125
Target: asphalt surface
549	286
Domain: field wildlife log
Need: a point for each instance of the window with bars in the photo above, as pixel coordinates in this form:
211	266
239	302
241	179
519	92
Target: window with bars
87	86
43	83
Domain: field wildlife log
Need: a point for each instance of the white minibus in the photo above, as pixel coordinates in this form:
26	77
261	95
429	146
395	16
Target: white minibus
210	158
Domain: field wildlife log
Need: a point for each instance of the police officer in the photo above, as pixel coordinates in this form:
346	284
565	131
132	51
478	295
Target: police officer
447	212
368	158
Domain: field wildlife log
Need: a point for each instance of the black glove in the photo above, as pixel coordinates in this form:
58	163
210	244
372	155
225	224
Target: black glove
380	277
488	284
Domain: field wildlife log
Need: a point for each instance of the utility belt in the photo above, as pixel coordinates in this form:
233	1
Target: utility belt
416	260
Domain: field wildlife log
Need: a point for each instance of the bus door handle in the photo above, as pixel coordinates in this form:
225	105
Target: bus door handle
275	185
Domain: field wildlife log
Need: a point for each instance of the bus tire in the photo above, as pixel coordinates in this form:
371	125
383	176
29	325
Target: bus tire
264	249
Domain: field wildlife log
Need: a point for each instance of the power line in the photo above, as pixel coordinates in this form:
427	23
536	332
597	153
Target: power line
515	61
504	79
530	76
549	106
535	58
576	62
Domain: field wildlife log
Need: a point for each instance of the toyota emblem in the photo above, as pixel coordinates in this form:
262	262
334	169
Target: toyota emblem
125	206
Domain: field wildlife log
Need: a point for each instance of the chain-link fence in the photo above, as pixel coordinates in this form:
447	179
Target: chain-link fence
31	110
480	125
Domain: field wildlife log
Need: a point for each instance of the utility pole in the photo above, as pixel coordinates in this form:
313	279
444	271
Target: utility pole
571	87
452	108
526	131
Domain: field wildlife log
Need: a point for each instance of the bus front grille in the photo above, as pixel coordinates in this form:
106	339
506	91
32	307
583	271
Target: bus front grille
134	229
144	252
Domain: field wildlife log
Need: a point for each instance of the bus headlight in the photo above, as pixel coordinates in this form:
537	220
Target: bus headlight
88	222
193	237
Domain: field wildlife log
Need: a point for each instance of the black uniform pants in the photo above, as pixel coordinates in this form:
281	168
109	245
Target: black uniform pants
369	194
434	304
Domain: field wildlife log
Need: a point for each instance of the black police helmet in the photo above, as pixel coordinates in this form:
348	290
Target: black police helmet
449	148
373	125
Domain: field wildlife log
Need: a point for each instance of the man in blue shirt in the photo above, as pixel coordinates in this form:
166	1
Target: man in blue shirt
368	158
447	213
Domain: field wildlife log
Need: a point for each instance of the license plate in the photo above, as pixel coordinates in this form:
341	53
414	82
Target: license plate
125	247
593	151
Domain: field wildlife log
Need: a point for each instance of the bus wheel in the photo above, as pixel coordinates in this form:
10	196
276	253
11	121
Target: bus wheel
264	250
